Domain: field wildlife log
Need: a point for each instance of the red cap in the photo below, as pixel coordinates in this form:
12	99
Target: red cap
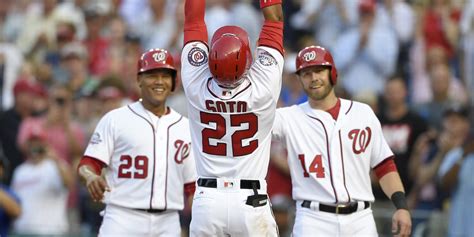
367	5
36	132
28	86
110	92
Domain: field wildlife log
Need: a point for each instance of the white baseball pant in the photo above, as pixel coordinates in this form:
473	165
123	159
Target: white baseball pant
120	221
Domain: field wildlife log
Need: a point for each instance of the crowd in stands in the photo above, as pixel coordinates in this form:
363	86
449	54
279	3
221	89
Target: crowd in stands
65	63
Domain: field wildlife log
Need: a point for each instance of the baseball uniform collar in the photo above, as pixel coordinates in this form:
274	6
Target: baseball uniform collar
138	108
345	107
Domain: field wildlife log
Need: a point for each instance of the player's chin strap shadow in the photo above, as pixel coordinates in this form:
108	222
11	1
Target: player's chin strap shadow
256	200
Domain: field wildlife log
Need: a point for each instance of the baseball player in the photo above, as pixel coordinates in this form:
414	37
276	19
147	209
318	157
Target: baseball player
333	144
145	147
232	104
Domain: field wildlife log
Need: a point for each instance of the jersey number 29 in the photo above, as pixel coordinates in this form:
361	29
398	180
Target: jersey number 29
140	164
220	149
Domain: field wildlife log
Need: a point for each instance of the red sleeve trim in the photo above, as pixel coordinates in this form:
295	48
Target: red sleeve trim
272	35
267	3
92	162
385	167
194	25
189	188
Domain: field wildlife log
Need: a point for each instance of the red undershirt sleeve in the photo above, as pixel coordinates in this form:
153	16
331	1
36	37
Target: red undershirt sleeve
272	35
92	162
194	25
385	167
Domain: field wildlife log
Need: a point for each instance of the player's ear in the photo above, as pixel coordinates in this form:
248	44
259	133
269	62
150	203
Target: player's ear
139	81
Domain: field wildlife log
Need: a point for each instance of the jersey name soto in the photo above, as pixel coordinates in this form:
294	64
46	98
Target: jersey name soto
226	106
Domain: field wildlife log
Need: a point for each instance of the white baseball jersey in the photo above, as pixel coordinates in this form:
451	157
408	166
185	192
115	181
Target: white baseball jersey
330	160
43	195
148	158
231	129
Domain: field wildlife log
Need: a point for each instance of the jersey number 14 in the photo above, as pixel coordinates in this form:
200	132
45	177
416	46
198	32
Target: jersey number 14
316	166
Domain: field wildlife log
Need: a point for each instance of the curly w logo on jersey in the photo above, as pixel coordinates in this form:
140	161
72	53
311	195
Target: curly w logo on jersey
360	139
182	151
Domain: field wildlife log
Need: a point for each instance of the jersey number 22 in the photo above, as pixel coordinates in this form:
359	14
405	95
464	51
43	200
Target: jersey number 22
220	149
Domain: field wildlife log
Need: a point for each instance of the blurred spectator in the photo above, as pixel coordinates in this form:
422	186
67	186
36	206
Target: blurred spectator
25	92
73	71
64	135
467	47
133	50
369	98
327	19
116	52
402	20
10	21
401	127
231	12
429	152
111	98
65	34
423	65
440	26
366	55
443	95
10	207
156	26
96	43
38	31
11	60
42	184
73	11
456	176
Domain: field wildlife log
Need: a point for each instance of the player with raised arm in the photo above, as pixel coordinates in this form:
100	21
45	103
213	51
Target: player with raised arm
232	103
145	147
333	144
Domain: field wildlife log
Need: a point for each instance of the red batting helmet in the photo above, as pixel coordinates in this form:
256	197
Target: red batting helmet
230	56
157	59
316	56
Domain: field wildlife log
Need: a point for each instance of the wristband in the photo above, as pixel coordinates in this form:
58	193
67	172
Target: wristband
267	3
399	200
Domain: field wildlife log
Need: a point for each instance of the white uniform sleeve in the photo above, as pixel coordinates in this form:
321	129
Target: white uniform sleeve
380	148
55	180
278	132
449	160
189	171
194	63
101	144
267	70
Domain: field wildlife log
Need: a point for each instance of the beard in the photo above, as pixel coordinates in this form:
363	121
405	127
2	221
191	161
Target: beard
319	94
